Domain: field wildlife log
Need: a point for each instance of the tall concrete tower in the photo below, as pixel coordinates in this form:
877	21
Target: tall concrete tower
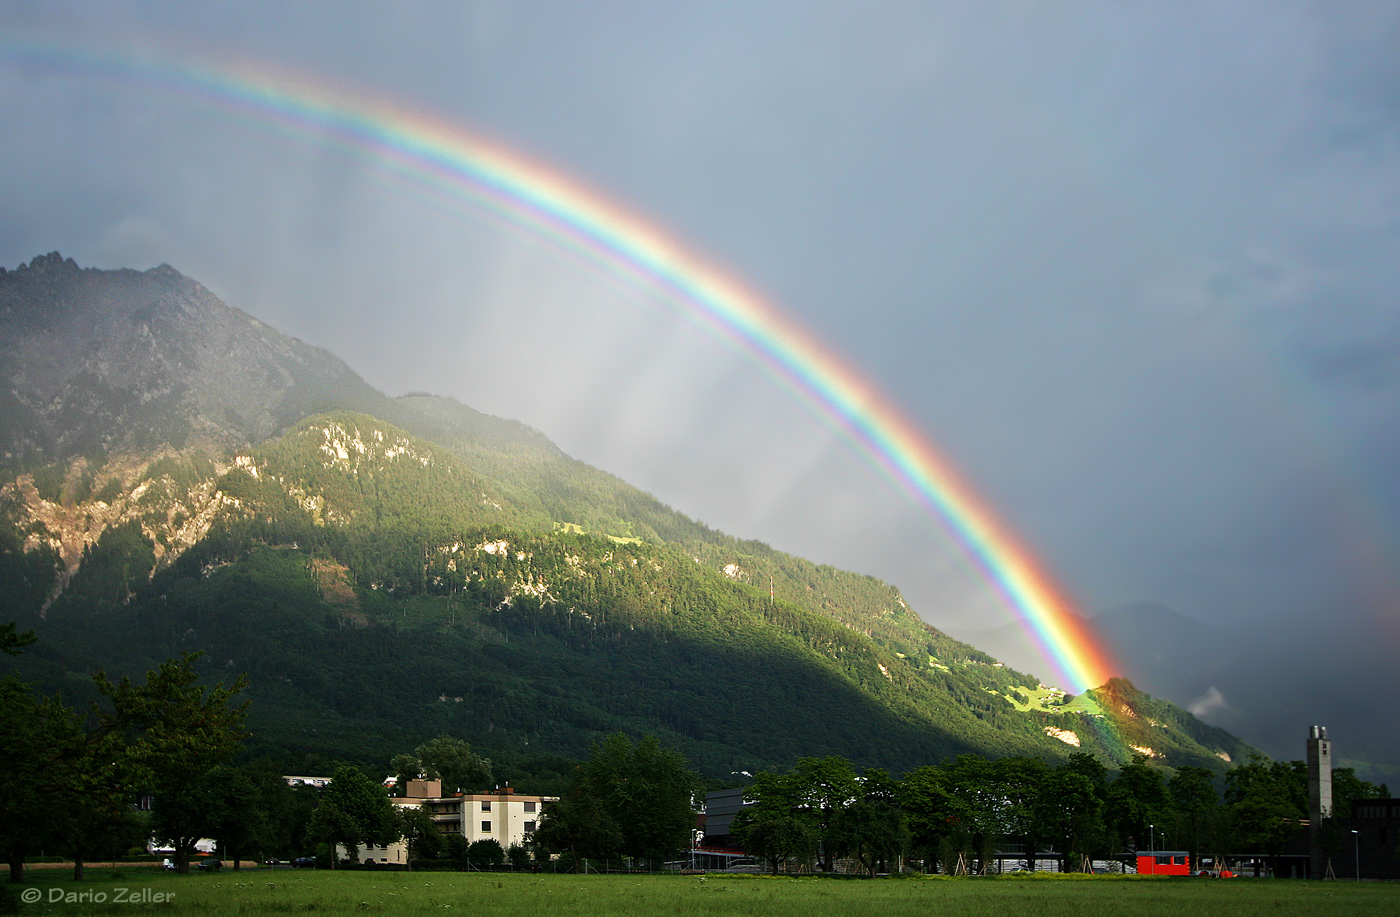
1319	793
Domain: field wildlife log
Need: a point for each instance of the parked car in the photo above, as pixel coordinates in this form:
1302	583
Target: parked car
210	865
304	863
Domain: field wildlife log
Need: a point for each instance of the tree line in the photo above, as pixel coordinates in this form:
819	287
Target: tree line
69	780
954	816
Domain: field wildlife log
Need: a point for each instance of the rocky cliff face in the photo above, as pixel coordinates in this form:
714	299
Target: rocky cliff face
99	362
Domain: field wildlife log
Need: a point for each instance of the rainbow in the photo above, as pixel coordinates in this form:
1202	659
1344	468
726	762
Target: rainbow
452	161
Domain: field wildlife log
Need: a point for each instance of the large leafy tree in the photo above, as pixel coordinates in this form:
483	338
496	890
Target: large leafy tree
928	808
240	810
822	787
647	790
419	833
44	751
61	784
1138	804
634	800
579	825
1069	812
354	810
1267	802
775	836
871	828
1197	805
448	759
178	731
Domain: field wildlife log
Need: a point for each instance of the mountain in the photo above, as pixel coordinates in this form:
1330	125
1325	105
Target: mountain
179	476
1260	681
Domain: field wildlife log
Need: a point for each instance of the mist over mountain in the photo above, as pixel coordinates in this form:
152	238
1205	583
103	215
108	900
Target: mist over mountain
179	476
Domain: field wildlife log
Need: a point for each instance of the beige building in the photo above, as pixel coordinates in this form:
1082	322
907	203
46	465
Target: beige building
503	815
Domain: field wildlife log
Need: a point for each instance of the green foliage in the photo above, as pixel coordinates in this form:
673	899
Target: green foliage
13	643
411	588
486	852
354	810
630	800
448	759
179	733
1136	802
648	791
48	480
871	829
418	831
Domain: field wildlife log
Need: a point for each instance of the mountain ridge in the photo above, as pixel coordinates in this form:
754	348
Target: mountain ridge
384	536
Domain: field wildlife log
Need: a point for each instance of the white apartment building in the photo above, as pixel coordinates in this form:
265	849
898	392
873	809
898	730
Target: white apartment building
503	815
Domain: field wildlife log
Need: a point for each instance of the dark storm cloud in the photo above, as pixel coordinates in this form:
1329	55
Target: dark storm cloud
1132	268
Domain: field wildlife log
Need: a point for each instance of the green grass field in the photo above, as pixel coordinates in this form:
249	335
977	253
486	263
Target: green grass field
264	891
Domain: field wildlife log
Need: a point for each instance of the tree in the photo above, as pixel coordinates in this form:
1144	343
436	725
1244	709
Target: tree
1197	805
823	787
579	825
871	828
776	837
179	732
1138	804
238	813
37	736
353	810
420	835
647	791
1265	804
98	825
928	808
1070	812
486	852
973	800
444	758
1017	787
12	643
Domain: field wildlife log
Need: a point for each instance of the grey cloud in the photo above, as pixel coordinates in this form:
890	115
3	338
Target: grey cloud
1131	268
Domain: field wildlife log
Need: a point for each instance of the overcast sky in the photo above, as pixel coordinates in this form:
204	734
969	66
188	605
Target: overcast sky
1132	267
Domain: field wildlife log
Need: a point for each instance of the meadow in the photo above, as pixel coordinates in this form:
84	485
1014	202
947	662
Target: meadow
266	891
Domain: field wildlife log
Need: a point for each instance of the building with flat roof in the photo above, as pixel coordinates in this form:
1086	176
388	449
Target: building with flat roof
503	816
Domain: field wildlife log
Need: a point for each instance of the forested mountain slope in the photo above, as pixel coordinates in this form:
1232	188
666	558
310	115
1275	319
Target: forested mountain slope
388	569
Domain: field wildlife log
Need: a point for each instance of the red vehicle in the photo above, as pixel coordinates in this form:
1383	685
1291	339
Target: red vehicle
1164	863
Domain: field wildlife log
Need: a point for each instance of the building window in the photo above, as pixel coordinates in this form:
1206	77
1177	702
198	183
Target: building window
486	826
486	805
529	826
529	806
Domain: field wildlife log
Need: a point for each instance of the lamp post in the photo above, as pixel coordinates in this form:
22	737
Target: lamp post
1152	846
1356	840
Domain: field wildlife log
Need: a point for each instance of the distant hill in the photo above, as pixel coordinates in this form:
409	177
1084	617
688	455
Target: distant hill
179	476
1260	681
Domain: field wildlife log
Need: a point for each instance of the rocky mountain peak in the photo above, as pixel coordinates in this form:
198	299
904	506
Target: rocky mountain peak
113	360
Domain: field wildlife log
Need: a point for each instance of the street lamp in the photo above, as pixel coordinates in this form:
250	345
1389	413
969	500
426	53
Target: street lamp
1356	839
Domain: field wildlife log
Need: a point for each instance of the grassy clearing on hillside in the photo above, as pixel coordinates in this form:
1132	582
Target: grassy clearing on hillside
263	891
1051	700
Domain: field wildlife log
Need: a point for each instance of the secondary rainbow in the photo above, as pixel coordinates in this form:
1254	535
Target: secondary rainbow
450	160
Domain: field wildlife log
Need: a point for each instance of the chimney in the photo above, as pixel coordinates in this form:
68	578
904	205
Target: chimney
1319	792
